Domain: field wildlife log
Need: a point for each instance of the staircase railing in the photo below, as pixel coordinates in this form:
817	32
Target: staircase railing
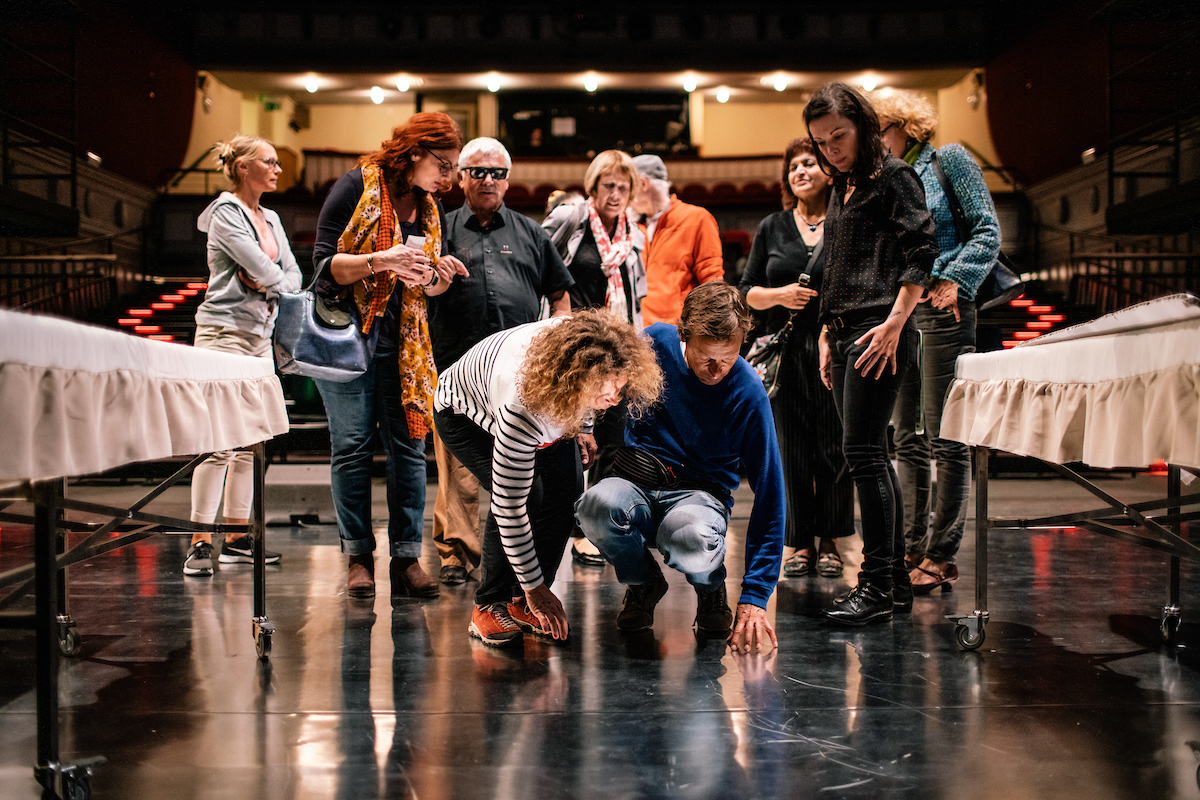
69	285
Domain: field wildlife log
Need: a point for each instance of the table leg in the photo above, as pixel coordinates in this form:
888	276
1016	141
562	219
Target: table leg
262	627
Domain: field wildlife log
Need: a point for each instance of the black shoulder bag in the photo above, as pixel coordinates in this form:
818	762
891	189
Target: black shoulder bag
766	354
1002	283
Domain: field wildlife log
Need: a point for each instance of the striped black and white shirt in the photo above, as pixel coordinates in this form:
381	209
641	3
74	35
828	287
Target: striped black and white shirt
482	385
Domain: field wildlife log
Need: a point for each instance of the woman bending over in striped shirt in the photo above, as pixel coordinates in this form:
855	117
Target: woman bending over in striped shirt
508	410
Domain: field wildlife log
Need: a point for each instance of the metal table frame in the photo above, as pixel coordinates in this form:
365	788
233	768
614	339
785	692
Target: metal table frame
55	630
1135	523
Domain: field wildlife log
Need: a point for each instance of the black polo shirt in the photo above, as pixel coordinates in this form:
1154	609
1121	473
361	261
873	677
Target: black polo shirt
512	265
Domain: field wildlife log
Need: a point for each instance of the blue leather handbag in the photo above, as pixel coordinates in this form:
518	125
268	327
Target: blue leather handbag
320	339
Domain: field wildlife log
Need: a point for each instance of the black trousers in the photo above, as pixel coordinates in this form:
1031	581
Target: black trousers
820	491
557	484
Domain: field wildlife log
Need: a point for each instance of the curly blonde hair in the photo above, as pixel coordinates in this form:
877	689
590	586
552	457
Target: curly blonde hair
915	115
237	149
568	362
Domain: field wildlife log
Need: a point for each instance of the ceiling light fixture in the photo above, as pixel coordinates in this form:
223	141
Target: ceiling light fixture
493	82
376	95
311	85
722	94
869	82
689	82
591	81
781	82
403	83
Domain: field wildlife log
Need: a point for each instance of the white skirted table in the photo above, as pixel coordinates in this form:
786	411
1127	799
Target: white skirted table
1121	391
77	400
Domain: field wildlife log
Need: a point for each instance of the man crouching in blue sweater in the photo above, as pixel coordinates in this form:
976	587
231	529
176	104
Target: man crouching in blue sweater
672	483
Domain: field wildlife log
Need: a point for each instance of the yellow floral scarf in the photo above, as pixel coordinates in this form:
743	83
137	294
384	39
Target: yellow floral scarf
365	234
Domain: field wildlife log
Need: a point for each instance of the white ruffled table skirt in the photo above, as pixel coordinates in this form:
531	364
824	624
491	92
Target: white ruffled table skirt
77	399
1121	391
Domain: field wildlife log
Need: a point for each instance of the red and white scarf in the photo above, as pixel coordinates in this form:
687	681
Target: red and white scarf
613	253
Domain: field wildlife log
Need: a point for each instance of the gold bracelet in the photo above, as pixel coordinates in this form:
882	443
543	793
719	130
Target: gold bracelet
369	265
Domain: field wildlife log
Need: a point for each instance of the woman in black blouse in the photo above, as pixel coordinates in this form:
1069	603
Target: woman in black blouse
879	251
783	279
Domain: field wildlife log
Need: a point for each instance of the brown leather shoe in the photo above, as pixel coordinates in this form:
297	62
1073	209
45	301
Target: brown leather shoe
360	582
409	578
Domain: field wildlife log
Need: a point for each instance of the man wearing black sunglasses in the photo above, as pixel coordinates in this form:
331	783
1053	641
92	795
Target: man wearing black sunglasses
512	266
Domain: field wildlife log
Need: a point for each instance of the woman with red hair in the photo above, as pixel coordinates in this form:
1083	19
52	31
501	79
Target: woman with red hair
379	244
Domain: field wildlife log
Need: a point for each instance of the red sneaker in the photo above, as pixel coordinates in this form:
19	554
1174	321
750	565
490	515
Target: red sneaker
492	625
519	611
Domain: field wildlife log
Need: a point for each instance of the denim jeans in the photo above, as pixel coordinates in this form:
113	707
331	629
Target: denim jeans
918	422
557	482
865	406
686	525
362	413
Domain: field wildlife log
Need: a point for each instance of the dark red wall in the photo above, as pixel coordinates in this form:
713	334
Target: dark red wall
135	95
1046	96
136	98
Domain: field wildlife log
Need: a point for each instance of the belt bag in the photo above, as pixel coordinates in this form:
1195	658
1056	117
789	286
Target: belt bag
646	470
320	339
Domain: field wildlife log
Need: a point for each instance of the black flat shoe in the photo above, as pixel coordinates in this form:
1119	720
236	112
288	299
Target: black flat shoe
586	559
863	606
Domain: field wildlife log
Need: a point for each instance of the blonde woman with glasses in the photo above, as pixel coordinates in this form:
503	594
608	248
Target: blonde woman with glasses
249	263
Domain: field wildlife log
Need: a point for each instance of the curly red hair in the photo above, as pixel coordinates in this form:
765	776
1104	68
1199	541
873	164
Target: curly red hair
432	130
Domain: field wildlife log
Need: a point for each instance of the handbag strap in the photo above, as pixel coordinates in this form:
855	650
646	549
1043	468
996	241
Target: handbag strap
808	268
956	209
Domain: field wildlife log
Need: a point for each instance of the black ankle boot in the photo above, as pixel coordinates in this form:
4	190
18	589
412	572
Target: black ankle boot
864	605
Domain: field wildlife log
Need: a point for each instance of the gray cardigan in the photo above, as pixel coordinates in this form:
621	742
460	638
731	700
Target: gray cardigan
233	244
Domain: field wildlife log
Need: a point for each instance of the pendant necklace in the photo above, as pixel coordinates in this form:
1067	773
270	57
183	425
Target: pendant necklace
812	226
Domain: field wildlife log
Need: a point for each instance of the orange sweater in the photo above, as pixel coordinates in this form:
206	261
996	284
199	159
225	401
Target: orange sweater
685	252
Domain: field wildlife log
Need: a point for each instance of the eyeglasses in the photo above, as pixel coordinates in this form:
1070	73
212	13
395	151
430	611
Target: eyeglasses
271	163
884	130
446	166
481	173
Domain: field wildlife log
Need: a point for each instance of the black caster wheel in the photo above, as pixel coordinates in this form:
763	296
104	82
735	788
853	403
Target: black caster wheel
262	644
1169	629
69	641
967	640
76	787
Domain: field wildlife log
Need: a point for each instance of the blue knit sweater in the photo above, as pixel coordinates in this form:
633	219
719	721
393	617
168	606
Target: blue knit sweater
704	432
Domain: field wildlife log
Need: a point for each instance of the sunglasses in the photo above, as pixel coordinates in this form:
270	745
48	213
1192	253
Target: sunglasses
481	173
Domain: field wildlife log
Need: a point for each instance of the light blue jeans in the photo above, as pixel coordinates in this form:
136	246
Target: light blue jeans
687	526
362	413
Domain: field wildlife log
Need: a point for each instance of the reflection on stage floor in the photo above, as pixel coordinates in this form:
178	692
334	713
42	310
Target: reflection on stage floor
1071	695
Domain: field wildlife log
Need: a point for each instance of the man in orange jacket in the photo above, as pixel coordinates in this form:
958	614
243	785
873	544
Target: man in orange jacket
684	247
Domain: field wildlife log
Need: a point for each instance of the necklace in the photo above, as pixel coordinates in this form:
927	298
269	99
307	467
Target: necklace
812	226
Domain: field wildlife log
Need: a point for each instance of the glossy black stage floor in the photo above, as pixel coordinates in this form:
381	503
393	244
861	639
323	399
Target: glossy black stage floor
1071	695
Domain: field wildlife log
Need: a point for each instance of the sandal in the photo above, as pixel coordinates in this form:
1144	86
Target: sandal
829	565
798	565
943	576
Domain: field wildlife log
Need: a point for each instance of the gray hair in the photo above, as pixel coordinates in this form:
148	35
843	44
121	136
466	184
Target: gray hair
483	146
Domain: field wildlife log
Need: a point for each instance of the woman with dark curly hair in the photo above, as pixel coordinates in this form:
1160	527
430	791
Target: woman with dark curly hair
502	410
379	242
